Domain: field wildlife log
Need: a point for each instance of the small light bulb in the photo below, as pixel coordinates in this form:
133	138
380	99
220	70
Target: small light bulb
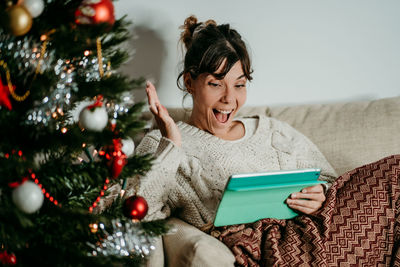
93	227
122	192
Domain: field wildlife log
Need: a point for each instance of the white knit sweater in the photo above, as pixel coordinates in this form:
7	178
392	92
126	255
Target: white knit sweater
190	180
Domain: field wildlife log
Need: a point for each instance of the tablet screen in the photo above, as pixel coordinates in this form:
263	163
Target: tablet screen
254	196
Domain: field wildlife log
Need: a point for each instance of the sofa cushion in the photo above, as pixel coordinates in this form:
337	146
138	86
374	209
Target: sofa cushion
156	257
348	134
189	246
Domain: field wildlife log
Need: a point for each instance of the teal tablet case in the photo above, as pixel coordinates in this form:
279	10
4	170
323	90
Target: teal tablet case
251	197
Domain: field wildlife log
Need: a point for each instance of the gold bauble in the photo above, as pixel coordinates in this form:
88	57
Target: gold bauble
20	20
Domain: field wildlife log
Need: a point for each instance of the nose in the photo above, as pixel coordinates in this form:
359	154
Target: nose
228	94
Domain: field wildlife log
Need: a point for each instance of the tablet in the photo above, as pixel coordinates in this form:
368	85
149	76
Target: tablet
254	196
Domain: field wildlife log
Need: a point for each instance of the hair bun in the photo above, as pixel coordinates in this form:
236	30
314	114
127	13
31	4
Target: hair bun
189	27
210	22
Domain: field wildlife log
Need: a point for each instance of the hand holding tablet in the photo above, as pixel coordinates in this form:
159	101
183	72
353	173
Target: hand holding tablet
254	196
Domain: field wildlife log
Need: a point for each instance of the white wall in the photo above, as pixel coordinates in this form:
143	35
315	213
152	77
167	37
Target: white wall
303	51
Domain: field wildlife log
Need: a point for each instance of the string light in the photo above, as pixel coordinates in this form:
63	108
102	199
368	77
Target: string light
44	191
94	227
95	203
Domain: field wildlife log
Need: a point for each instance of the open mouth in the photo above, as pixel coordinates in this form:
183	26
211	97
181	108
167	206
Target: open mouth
221	115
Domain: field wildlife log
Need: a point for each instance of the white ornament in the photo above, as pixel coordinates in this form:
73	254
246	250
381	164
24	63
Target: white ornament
128	146
35	7
93	119
28	197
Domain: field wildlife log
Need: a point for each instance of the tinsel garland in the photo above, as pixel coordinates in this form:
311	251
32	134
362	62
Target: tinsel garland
126	239
27	54
24	52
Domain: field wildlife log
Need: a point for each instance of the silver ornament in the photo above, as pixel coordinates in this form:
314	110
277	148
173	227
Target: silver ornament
35	7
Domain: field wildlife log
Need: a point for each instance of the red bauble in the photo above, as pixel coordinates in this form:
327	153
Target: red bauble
4	96
135	207
8	259
12	259
94	12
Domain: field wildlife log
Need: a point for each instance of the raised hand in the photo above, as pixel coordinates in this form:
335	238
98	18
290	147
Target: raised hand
165	123
308	201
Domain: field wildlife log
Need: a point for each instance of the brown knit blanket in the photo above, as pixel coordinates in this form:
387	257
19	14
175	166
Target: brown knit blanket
359	225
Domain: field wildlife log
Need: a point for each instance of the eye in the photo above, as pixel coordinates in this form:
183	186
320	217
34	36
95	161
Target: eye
242	85
213	84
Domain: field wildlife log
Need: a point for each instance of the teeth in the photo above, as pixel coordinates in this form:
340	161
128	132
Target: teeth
224	111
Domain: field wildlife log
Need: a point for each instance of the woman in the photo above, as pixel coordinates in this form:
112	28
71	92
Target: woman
195	159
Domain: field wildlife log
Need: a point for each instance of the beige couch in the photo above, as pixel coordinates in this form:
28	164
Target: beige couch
348	134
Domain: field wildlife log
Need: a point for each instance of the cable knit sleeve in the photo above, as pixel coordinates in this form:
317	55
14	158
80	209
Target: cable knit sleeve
306	153
161	178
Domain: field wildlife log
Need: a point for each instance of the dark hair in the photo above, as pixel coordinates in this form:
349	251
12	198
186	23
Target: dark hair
208	45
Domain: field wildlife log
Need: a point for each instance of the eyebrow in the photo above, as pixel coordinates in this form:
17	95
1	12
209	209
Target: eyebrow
241	76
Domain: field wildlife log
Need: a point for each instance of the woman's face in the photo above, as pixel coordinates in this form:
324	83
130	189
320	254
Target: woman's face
215	102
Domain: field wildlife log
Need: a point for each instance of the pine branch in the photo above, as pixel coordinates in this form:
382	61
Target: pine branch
53	152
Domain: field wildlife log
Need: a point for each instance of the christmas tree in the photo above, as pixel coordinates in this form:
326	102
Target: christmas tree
57	56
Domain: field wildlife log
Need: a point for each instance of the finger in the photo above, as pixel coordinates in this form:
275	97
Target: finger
151	93
302	209
152	97
313	189
304	203
312	196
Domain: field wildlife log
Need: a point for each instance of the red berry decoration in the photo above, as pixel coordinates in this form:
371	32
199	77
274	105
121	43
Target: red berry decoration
95	12
135	207
117	158
118	164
